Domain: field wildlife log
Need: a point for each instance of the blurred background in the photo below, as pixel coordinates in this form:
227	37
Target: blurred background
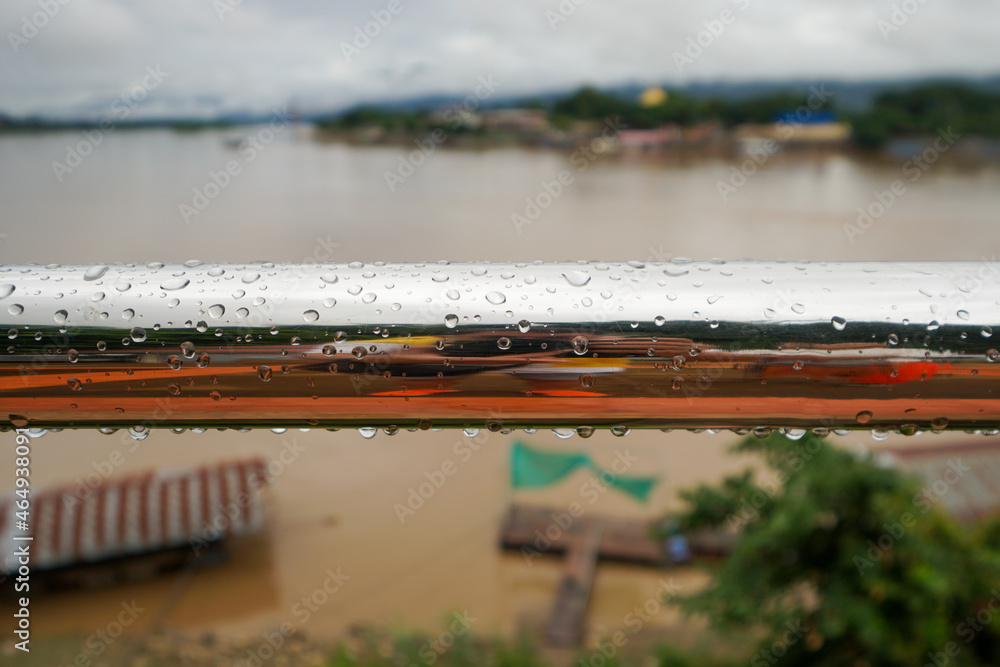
401	130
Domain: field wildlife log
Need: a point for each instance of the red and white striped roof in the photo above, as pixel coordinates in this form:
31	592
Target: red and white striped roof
138	514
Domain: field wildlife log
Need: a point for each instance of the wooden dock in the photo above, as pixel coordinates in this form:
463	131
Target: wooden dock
537	530
565	626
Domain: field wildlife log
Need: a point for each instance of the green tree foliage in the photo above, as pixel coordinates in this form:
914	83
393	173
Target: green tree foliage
842	561
927	109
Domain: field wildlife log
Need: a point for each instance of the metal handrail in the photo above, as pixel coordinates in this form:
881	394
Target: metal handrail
675	344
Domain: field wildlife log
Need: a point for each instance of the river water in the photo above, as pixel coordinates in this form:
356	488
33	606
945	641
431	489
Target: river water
149	195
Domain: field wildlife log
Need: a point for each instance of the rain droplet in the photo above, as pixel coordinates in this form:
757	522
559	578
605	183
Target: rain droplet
893	339
587	381
264	373
620	431
367	432
580	345
864	416
138	432
359	352
496	298
95	272
175	284
585	431
174	362
15	309
215	395
577	278
986	332
128	314
340	337
963	314
939	423
60	316
329	302
73	356
504	343
188	349
934	325
310	316
138	334
173	389
677	383
798	308
659	320
992	355
451	320
524	326
368	297
203	360
839	323
470	432
329	278
216	311
74	384
250	277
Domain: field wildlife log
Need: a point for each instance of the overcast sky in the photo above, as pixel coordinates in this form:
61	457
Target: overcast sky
256	54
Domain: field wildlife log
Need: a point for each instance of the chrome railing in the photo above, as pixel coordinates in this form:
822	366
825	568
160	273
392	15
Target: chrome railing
564	345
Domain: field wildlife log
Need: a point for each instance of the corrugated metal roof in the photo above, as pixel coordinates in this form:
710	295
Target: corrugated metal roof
138	514
962	477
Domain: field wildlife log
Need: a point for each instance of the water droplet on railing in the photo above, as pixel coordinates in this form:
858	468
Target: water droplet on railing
580	345
577	278
60	316
451	320
620	431
175	284
216	311
504	343
138	334
15	309
496	298
864	416
329	278
524	326
95	272
264	373
310	316
367	432
74	384
839	323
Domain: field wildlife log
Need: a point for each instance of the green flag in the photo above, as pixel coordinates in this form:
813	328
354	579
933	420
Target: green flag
534	468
